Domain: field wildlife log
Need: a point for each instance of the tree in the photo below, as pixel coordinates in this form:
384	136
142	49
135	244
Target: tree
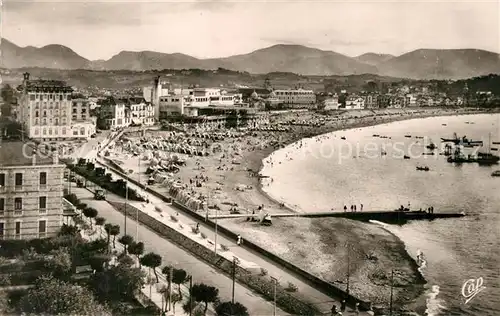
204	293
152	261
50	296
99	261
179	276
136	249
230	309
90	213
116	283
108	228
115	230
126	240
59	263
99	221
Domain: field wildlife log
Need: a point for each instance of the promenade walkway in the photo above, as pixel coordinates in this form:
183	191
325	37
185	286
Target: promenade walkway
172	255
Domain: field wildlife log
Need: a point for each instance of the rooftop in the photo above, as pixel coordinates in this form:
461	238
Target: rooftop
45	86
20	154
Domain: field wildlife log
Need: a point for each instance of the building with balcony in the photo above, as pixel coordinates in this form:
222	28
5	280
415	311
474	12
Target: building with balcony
49	113
122	112
31	192
296	96
354	103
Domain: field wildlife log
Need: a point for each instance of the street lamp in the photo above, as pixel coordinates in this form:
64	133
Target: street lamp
392	288
235	261
275	282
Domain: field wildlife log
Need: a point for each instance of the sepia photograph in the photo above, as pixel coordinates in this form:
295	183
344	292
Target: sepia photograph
250	158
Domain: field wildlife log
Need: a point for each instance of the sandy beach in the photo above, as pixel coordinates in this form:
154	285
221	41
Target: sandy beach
228	178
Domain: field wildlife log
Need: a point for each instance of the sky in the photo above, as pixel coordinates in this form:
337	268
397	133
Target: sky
98	29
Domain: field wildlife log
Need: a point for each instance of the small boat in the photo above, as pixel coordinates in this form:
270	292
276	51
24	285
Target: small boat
496	143
423	168
428	154
408	136
494	149
419	137
376	135
383	153
406	157
443	124
496	173
342	137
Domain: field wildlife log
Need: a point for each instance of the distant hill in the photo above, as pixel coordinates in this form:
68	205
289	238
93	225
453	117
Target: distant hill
297	59
302	60
373	58
50	56
147	60
442	64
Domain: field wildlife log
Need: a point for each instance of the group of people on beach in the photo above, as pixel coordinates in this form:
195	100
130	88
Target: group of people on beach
354	208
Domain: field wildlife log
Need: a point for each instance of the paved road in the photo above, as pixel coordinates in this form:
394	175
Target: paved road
171	254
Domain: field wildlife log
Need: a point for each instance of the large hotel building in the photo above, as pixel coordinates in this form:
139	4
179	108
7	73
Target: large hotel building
48	112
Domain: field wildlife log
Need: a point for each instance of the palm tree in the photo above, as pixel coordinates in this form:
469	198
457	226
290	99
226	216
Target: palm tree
204	293
152	261
136	249
99	221
108	228
115	230
90	213
126	240
179	277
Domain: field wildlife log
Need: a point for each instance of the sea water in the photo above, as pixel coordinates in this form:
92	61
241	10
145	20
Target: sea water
335	172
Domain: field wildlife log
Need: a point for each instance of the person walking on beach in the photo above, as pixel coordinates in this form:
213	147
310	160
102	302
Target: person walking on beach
356	309
335	312
354	208
238	240
345	208
343	306
361	207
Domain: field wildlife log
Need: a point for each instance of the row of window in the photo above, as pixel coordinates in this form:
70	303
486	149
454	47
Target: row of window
19	179
56	113
49	96
42	228
50	105
50	121
294	93
18	205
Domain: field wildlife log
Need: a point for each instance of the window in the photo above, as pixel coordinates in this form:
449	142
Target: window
68	98
42	228
42	202
32	97
37	131
19	179
18	229
43	178
2	230
18	204
2	180
2	206
60	97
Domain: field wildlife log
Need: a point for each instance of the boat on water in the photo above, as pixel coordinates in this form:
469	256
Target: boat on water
408	136
428	154
486	159
431	146
376	135
406	157
496	173
423	168
444	124
496	143
343	137
457	140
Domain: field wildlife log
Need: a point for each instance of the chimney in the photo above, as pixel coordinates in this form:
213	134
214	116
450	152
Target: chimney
33	159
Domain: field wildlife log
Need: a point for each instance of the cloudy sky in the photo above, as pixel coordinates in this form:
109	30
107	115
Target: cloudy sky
99	29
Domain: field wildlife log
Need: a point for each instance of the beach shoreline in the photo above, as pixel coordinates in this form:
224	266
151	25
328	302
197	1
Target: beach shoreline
309	243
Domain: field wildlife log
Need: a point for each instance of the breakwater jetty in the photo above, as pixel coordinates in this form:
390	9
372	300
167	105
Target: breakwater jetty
390	217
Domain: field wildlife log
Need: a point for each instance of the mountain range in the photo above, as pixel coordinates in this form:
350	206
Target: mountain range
418	64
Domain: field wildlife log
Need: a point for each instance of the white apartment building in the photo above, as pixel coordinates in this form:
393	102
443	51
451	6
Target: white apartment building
198	98
296	96
332	103
355	103
120	113
31	192
47	112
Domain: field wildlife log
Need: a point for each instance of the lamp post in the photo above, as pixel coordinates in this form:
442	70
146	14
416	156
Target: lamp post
348	268
137	209
235	261
275	281
392	287
125	208
190	297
